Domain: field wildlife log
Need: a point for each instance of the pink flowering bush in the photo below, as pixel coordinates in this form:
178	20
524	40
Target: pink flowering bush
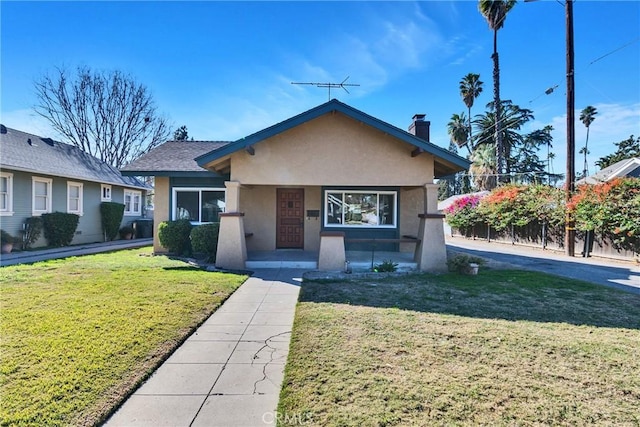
463	213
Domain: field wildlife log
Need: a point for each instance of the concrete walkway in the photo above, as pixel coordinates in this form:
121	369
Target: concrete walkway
230	371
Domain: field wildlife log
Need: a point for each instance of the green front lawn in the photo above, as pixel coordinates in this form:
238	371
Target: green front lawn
500	348
78	334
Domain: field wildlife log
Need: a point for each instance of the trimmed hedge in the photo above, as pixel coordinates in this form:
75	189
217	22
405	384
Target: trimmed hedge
59	228
111	214
204	239
174	236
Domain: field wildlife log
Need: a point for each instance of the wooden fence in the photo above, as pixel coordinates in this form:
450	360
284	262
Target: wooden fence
551	238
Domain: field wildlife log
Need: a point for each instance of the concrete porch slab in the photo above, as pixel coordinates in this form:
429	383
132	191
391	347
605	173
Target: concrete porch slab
308	260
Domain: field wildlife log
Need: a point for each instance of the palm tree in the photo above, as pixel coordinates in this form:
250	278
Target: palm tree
513	119
470	89
458	132
587	116
495	12
483	167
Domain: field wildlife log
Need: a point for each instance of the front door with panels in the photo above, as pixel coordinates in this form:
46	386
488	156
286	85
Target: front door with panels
290	218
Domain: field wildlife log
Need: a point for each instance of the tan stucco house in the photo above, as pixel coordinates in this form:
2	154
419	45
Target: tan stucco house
329	180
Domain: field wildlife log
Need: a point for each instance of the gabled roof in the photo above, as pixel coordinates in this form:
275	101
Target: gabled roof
446	161
175	158
31	153
624	168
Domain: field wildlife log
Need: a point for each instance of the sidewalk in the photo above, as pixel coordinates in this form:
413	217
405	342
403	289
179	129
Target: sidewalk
230	371
26	257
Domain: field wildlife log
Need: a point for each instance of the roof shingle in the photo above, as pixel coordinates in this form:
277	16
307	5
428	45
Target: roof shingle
173	156
31	153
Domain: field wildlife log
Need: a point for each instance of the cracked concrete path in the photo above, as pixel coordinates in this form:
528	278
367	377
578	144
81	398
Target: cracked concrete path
230	370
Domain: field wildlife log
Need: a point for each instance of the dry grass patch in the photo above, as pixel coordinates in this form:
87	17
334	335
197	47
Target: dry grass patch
501	348
78	334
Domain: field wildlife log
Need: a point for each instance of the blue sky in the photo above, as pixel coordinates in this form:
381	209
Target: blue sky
224	69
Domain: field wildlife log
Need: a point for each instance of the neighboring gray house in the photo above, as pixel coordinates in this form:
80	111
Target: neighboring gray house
39	175
628	168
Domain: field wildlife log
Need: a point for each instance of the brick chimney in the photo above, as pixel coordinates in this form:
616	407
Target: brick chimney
420	127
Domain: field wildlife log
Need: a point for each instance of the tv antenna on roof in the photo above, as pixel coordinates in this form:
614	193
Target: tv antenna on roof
329	85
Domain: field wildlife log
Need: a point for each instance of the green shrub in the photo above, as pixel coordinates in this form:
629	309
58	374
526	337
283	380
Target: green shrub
59	228
111	214
32	230
6	238
204	239
386	266
174	236
461	263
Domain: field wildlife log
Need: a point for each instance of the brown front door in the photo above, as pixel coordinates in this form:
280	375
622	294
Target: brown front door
290	218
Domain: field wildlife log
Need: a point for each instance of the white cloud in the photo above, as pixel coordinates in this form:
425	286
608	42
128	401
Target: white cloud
613	123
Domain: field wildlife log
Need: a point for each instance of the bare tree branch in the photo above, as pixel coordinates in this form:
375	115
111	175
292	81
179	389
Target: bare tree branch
106	114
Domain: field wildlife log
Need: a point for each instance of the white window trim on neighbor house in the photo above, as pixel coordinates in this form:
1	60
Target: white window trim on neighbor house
374	222
130	207
80	187
105	192
175	209
48	202
6	204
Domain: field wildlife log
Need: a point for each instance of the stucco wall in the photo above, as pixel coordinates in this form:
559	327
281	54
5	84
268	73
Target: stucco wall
160	209
411	205
259	206
332	150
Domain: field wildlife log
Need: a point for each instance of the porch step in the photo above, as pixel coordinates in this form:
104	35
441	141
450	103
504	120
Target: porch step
366	266
311	265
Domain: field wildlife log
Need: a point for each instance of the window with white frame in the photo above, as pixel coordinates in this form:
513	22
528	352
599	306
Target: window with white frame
132	202
360	208
199	205
41	201
74	197
105	192
6	193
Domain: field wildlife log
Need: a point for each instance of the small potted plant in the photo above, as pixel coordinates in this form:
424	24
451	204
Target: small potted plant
6	242
465	264
126	232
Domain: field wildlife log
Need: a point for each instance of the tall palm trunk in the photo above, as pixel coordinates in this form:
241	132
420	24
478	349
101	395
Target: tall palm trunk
500	152
585	167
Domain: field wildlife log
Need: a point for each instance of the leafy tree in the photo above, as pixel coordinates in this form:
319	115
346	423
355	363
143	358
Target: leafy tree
470	89
514	118
530	168
587	116
106	114
626	149
181	134
495	12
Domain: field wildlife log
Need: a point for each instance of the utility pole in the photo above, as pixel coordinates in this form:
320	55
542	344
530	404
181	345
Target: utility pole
570	232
